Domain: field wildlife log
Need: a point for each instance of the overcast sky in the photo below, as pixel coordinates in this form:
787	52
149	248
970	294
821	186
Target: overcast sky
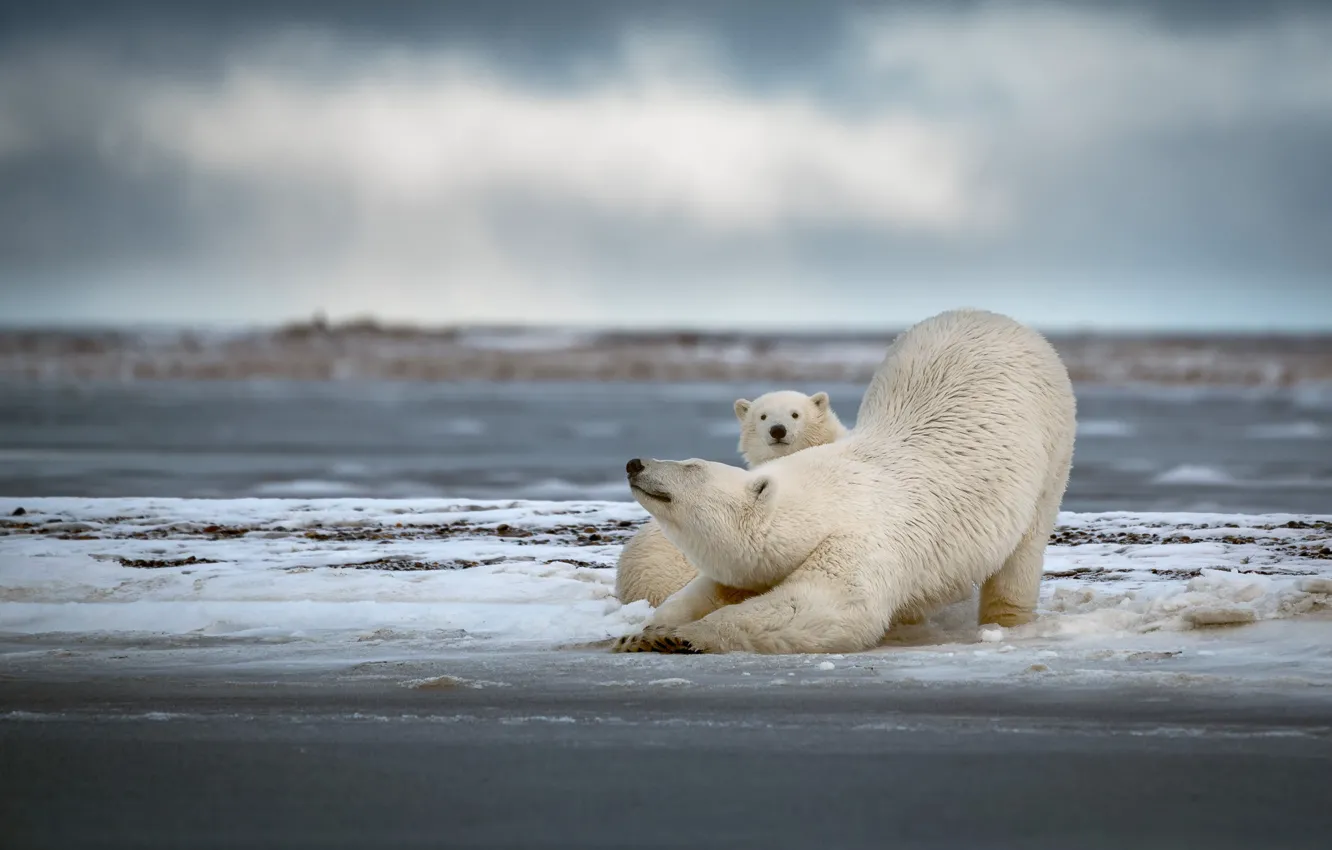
743	164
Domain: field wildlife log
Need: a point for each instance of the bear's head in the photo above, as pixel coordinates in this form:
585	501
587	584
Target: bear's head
739	527
780	423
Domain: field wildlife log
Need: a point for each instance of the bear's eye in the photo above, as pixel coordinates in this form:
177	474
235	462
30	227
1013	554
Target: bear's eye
764	416
795	415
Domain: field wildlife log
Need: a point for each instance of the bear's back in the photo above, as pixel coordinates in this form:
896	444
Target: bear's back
967	370
964	420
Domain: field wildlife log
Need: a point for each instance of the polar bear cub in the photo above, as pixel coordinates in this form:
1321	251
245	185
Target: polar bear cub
779	423
771	426
952	478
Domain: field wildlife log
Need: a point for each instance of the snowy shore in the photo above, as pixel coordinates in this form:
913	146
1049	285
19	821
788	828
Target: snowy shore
1167	598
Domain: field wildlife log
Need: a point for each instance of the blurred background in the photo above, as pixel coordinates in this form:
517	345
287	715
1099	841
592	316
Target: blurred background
492	250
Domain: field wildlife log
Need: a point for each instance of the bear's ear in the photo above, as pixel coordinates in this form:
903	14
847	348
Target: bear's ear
742	408
761	488
820	400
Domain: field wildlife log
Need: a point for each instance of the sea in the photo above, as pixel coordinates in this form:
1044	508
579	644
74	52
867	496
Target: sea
1151	448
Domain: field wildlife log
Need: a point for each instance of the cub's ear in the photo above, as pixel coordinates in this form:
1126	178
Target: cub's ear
820	400
761	488
742	408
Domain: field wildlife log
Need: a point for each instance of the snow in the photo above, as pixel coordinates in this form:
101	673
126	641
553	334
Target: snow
1196	597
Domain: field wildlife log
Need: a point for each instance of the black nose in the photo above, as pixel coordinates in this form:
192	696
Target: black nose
633	467
778	432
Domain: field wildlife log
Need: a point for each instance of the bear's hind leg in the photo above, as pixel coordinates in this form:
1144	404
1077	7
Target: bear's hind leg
1009	597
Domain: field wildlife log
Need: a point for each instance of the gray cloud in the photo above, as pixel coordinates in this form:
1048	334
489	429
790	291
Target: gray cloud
1073	164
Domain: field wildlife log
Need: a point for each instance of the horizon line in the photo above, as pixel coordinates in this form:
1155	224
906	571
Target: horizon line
606	328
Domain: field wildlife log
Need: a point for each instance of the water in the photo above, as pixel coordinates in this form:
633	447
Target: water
1138	450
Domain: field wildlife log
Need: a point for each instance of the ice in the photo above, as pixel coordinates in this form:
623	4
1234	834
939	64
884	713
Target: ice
304	487
1298	430
1125	594
597	430
1188	475
1192	474
461	427
723	428
553	488
1105	428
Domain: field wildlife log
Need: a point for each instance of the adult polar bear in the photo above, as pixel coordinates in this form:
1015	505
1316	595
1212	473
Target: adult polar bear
953	477
771	426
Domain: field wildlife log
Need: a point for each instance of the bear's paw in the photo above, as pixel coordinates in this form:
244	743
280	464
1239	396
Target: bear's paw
655	640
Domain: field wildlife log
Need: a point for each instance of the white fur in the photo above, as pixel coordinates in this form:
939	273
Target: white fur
952	478
650	567
808	420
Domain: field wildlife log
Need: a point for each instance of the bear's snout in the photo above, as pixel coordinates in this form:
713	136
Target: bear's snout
778	432
633	467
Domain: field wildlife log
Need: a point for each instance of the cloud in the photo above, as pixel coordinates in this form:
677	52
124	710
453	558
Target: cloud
970	148
1088	109
1083	77
432	131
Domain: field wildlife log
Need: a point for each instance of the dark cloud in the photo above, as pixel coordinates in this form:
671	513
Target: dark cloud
894	154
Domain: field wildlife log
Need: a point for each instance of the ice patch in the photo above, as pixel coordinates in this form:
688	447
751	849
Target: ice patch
597	430
1312	396
556	488
723	428
1215	598
1299	430
304	487
459	427
1190	474
1105	428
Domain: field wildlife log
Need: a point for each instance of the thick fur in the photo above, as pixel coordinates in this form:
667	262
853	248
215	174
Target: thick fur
807	420
650	567
952	478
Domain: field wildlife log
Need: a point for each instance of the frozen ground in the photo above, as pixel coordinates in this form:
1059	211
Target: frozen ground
339	673
479	595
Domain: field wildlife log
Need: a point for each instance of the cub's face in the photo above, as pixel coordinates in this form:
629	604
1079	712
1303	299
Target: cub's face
777	424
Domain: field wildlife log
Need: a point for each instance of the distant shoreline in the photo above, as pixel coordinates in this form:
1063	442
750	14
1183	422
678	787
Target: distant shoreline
369	351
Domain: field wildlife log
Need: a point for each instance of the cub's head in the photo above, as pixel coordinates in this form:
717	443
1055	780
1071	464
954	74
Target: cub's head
777	424
719	516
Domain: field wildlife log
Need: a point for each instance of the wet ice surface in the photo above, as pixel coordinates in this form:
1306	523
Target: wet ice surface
1152	449
468	596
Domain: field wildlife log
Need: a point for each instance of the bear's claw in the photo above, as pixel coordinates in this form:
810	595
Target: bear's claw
653	640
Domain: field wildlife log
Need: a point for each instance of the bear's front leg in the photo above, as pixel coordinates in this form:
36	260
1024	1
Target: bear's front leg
694	601
655	639
818	608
